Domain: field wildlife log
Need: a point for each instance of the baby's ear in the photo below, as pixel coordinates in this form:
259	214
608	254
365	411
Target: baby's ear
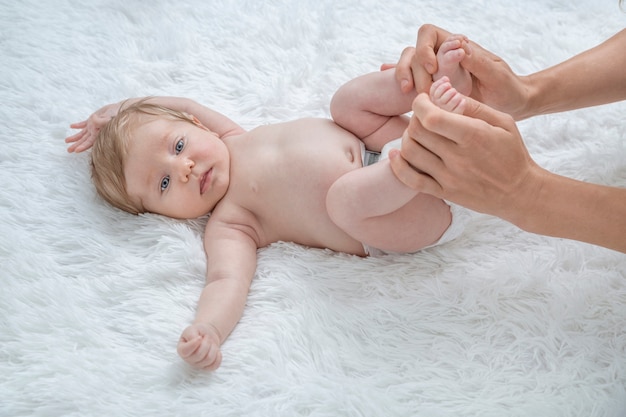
197	122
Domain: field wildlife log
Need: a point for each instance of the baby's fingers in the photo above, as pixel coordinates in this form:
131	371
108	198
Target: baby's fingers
208	356
186	348
76	137
214	359
79	125
81	146
201	353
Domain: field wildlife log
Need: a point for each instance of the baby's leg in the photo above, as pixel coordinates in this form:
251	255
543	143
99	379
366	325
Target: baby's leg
375	208
447	97
373	108
449	56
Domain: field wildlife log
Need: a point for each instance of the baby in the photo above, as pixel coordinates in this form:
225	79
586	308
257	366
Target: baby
306	181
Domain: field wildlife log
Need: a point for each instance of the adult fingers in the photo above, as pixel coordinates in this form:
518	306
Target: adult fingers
404	73
424	63
477	110
480	62
455	127
414	176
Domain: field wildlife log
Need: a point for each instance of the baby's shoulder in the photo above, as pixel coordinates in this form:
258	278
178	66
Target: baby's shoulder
229	218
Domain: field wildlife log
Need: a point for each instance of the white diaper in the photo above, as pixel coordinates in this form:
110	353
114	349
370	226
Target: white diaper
371	157
460	215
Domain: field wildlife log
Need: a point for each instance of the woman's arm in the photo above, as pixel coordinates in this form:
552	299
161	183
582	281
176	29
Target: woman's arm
479	160
577	210
596	76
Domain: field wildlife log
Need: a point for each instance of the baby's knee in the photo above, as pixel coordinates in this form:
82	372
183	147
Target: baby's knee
340	204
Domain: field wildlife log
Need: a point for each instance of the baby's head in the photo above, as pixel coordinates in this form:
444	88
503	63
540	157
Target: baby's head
111	148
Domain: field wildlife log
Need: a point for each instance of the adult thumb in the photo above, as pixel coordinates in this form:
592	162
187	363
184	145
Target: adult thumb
477	110
481	63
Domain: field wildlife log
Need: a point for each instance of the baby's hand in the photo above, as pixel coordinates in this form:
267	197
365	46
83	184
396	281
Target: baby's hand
84	139
199	346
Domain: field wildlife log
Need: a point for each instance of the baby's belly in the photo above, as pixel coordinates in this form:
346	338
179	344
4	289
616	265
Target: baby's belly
320	147
317	154
302	216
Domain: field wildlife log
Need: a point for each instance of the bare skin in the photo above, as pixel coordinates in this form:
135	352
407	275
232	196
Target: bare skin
479	159
300	181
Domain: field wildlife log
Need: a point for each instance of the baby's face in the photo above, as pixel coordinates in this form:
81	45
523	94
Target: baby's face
176	168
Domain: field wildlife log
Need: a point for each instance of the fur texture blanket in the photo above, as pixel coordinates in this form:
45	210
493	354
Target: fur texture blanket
92	301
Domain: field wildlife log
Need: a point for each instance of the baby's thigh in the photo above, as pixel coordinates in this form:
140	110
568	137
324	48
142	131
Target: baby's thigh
375	208
417	224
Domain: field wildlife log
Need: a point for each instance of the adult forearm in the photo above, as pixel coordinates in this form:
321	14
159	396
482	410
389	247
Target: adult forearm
571	209
590	78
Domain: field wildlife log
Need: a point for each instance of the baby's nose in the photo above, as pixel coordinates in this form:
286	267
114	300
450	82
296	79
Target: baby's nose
186	169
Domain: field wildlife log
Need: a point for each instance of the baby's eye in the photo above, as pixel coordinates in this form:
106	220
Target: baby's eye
179	146
165	182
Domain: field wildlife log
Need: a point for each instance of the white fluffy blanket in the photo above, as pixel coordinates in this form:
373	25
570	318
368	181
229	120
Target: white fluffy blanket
92	300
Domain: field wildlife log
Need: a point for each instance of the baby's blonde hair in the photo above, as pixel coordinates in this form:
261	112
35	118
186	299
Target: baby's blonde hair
110	151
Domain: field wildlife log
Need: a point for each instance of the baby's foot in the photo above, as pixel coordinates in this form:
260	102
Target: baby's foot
447	97
449	56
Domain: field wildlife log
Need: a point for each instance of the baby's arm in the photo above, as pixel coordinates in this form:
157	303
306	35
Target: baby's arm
211	119
231	263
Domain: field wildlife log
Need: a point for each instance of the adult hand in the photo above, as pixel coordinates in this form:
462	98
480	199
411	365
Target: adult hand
416	65
477	160
493	81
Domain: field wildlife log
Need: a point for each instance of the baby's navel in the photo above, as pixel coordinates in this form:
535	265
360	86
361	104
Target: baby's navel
350	155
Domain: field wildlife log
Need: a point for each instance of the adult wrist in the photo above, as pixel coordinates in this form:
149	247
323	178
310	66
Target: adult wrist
525	206
531	97
544	93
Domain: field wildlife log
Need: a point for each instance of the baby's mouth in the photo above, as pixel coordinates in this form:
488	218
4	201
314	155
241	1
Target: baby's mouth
205	181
